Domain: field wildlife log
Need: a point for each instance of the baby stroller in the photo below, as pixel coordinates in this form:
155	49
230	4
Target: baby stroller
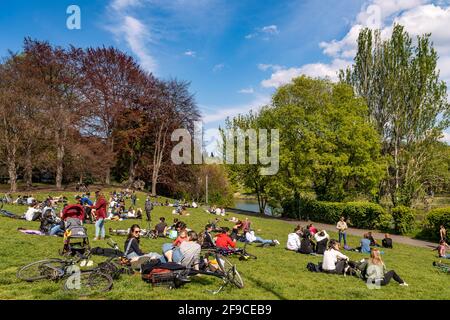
76	241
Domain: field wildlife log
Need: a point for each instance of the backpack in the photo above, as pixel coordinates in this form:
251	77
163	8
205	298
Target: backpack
76	228
312	267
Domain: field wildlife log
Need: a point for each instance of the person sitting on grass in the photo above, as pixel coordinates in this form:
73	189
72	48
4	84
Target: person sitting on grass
224	241
306	246
387	241
442	250
293	242
373	242
334	261
376	271
182	236
207	240
132	250
312	230
321	239
161	228
365	244
187	254
250	237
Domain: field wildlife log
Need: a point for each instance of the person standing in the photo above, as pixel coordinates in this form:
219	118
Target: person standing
100	215
443	233
342	228
133	198
148	209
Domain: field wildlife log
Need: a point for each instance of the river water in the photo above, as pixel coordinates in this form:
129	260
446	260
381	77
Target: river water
250	205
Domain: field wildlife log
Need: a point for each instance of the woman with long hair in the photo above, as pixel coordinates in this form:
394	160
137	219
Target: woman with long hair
100	207
376	271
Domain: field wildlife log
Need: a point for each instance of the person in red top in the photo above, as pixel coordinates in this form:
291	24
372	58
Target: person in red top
100	215
224	241
73	211
183	236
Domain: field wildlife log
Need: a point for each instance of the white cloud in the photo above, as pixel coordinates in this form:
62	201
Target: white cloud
190	53
133	31
266	32
218	67
316	70
273	29
222	112
265	67
247	91
123	4
418	17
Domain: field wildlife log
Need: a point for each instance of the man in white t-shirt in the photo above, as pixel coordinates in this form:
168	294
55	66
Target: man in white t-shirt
342	228
333	260
293	242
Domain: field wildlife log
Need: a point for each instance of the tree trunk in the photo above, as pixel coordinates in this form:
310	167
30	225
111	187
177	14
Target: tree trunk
108	170
60	151
29	167
132	172
12	169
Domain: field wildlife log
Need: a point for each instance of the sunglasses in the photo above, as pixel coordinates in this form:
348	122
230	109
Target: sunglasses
137	231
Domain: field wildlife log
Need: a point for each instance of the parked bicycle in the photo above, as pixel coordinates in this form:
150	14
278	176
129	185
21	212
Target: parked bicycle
81	282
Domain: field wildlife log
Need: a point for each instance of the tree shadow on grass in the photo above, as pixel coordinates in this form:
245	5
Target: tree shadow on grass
266	286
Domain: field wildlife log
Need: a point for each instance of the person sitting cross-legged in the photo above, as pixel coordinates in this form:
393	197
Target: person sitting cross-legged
333	260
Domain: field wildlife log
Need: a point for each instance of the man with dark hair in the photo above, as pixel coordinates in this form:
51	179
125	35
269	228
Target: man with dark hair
161	227
207	239
148	208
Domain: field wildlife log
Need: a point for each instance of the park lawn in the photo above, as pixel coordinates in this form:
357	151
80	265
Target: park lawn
276	274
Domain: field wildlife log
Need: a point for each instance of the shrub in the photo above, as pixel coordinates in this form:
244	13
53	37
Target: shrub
404	219
385	222
359	214
434	219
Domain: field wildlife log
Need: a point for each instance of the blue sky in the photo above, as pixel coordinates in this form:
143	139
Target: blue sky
235	52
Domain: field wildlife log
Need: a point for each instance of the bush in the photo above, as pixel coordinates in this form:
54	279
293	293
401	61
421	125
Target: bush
359	214
434	219
386	222
404	219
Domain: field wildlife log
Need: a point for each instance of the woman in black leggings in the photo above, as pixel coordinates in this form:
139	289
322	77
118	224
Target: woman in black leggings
376	271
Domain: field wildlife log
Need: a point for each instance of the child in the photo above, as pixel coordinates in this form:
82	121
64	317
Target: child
181	238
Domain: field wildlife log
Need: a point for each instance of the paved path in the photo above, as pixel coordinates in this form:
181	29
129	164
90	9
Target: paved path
350	231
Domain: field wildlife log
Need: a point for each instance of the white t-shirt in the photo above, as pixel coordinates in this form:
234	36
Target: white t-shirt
250	236
30	213
319	238
293	242
218	211
330	258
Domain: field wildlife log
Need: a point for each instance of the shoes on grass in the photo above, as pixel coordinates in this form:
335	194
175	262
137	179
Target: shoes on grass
404	284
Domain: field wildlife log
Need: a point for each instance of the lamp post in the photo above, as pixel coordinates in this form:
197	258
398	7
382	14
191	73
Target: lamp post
206	187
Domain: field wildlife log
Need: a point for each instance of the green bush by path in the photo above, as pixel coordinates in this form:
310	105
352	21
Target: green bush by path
363	215
434	219
404	219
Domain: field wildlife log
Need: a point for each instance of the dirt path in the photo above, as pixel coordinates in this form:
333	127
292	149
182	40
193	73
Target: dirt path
351	231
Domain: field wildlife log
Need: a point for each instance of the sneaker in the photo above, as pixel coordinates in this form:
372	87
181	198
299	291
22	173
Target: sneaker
276	241
404	284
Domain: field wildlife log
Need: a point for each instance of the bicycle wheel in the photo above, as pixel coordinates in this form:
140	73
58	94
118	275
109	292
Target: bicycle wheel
230	272
43	269
88	283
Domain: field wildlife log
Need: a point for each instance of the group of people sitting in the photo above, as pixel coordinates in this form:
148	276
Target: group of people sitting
219	211
308	240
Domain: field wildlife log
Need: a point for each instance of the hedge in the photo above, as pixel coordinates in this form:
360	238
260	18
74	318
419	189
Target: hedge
404	219
364	215
433	221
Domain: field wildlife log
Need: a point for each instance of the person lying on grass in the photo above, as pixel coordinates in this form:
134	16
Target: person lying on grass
376	271
187	254
334	261
132	250
250	237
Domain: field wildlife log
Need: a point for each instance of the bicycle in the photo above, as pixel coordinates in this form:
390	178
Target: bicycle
86	282
242	253
213	264
443	267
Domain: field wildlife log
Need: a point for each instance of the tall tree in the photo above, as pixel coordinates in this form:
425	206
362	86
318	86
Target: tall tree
407	103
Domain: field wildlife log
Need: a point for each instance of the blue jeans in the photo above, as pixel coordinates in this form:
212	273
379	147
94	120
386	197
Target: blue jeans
259	239
55	230
343	235
176	253
100	228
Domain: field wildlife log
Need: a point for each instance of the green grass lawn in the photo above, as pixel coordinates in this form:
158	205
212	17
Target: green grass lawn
276	274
